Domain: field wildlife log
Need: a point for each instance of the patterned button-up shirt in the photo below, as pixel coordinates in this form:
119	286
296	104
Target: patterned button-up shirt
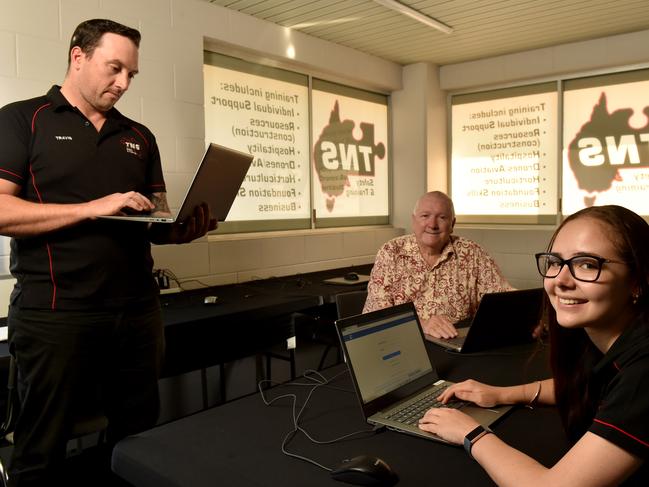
452	287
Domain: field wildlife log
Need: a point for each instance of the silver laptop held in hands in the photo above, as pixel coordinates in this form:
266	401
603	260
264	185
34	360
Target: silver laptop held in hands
216	182
394	377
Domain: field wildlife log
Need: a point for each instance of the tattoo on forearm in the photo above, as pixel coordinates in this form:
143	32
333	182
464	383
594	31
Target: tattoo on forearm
160	202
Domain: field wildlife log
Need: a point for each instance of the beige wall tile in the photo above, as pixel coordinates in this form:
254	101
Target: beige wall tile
283	251
7	54
51	63
153	11
6	286
184	261
33	17
323	246
189	152
233	256
177	184
12	89
4	266
155	80
358	243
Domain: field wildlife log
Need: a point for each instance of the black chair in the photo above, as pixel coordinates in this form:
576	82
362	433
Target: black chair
350	303
347	304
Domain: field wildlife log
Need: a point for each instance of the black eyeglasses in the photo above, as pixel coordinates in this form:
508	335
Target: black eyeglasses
586	268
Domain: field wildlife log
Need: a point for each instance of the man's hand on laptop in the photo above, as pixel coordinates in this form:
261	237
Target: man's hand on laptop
439	326
119	204
194	227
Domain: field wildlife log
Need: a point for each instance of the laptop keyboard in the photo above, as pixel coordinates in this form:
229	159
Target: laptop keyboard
412	412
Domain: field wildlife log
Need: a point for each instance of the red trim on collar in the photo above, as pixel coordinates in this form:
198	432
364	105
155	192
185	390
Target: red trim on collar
36	113
146	141
622	431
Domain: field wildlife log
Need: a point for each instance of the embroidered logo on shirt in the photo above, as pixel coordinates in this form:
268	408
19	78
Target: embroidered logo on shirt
63	137
131	146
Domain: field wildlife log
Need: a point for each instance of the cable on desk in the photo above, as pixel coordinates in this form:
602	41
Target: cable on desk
166	275
317	380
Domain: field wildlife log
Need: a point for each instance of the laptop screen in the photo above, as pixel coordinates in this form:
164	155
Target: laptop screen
385	354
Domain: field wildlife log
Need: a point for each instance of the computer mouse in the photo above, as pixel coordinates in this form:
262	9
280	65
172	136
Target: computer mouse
365	470
351	276
210	299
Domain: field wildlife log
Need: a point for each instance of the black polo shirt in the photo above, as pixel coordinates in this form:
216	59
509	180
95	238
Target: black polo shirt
56	155
623	378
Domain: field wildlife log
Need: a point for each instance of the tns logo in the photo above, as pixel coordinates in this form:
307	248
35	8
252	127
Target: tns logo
131	146
338	154
605	144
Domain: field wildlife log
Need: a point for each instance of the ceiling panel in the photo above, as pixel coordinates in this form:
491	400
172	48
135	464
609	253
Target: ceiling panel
481	28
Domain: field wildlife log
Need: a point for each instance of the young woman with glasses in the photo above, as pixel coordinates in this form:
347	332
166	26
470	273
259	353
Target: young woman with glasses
596	277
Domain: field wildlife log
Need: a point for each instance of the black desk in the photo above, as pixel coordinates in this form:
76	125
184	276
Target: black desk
238	444
246	318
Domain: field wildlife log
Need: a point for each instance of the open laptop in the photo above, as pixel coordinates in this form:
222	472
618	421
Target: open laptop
502	319
392	372
216	182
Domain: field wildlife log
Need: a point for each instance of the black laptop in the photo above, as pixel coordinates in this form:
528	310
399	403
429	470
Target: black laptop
502	319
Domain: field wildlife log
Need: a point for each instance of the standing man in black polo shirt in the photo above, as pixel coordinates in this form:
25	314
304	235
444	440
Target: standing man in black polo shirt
85	311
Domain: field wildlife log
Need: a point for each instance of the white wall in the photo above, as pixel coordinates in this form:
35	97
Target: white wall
409	147
6	285
563	60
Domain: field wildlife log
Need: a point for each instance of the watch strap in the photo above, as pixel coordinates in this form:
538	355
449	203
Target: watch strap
473	436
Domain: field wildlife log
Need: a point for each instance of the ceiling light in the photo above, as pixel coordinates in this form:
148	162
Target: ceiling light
424	19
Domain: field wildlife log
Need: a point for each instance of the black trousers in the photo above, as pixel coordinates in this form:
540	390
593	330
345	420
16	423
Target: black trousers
68	360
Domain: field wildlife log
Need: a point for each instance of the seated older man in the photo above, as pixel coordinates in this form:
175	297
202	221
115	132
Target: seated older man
445	276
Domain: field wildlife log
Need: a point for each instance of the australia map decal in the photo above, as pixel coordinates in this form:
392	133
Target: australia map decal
338	155
605	144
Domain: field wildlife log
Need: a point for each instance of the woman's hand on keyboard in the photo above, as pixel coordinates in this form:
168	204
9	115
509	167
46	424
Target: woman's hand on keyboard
473	391
450	424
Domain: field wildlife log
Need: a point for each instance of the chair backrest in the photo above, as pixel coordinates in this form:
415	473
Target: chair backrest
350	303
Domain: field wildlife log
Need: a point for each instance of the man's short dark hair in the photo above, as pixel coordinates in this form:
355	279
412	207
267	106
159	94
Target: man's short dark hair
88	34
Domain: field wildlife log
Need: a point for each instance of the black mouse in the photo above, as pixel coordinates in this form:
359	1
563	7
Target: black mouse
365	470
351	276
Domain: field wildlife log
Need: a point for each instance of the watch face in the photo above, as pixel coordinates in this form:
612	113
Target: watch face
476	432
474	436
